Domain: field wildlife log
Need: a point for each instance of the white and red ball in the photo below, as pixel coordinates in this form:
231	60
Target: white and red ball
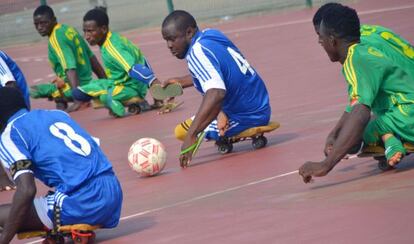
147	156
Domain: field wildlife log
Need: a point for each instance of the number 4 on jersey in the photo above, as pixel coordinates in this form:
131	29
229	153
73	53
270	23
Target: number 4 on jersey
244	66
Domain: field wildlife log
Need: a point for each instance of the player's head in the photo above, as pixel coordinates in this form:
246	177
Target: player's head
95	26
317	18
44	20
339	28
11	101
178	28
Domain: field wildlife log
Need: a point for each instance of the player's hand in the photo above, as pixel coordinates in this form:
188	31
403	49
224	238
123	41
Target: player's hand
312	169
6	184
59	82
185	158
222	123
170	81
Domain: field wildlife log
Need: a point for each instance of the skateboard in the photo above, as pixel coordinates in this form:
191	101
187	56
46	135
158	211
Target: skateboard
378	153
137	105
79	233
256	134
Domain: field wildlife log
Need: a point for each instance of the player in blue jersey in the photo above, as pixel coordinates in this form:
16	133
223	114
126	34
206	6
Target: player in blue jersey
234	96
11	75
50	146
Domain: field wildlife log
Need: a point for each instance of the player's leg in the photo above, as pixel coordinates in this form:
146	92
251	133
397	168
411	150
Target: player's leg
388	129
97	202
118	95
32	221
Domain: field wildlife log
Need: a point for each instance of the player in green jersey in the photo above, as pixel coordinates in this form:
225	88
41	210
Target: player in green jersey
118	54
69	55
389	43
375	84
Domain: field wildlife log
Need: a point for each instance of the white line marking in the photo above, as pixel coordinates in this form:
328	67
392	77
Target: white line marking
208	195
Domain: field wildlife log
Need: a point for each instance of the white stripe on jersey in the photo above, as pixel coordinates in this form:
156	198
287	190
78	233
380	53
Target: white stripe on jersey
197	60
5	74
9	150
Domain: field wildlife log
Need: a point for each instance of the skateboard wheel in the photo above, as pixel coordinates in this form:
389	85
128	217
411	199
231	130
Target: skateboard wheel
383	165
225	148
54	240
134	109
259	142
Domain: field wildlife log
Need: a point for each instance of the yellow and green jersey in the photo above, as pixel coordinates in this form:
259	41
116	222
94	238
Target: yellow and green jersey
119	54
375	80
68	50
391	45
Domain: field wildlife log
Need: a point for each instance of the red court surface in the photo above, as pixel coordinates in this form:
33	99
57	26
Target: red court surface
254	196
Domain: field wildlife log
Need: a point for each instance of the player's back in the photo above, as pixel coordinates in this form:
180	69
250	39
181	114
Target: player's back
392	45
367	67
246	93
64	155
68	50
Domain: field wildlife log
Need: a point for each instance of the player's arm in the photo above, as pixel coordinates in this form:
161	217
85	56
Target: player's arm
331	138
6	76
207	112
185	81
21	204
97	67
349	135
5	183
73	77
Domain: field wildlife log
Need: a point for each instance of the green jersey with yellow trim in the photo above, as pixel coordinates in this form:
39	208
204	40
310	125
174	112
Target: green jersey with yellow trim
391	45
375	80
119	54
68	50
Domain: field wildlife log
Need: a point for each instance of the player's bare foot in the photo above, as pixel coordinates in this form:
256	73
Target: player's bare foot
395	159
76	106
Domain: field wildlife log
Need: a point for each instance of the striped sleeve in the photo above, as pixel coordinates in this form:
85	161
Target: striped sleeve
62	49
120	55
13	148
206	67
362	77
5	74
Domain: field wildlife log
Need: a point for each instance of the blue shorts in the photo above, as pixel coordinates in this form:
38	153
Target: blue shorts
97	202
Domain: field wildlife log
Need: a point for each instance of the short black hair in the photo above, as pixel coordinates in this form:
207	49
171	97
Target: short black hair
342	22
181	19
97	15
11	101
317	18
44	10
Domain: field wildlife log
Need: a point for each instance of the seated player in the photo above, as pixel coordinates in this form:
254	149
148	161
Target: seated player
376	83
70	57
51	147
118	55
234	96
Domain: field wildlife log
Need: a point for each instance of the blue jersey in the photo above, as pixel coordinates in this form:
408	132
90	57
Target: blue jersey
215	62
9	71
63	155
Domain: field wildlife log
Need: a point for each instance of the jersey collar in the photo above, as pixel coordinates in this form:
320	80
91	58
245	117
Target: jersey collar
17	114
108	36
195	38
57	26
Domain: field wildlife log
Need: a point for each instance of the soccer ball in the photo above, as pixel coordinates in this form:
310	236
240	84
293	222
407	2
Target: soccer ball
147	156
